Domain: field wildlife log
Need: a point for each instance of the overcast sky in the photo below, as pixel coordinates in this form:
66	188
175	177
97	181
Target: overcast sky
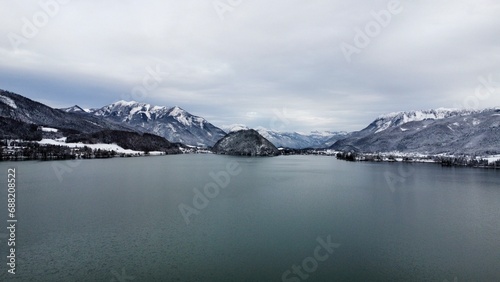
291	65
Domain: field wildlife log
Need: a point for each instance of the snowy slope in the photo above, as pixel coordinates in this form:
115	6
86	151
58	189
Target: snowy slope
75	109
14	107
23	118
107	147
234	127
294	139
7	101
175	124
471	132
386	121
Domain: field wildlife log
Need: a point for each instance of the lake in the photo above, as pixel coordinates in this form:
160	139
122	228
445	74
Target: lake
221	218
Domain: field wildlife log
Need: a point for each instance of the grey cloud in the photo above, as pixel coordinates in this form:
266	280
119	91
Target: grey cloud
264	56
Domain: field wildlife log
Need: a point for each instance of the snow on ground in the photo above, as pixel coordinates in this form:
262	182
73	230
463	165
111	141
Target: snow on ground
8	101
233	127
423	158
49	129
125	103
321	133
107	147
156	153
492	159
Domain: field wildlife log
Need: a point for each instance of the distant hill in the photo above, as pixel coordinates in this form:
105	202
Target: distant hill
245	143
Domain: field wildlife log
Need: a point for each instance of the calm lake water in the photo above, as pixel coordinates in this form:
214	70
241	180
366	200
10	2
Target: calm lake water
119	220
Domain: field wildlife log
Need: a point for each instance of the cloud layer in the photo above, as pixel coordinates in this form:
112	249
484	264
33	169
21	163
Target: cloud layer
278	64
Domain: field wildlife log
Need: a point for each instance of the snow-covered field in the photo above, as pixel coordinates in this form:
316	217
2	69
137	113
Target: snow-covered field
414	157
418	157
107	147
49	129
493	158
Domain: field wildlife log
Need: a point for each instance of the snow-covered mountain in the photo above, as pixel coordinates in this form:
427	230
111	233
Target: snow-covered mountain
19	114
234	127
174	123
295	140
75	109
453	131
386	121
137	125
314	139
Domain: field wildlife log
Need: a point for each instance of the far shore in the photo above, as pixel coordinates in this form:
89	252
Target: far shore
105	151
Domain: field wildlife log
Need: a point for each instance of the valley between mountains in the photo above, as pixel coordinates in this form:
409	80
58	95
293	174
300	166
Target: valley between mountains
126	127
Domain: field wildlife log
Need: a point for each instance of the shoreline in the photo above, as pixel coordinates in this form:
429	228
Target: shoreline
484	162
49	149
447	160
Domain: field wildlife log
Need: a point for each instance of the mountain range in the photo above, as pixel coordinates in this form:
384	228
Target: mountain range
16	110
296	140
172	123
178	125
440	131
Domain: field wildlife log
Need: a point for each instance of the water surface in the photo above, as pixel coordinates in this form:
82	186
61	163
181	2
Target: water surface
119	219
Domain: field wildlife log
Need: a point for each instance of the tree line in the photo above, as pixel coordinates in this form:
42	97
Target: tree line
468	161
24	150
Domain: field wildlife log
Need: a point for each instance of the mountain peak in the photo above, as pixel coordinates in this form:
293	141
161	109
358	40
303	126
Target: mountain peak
176	111
234	127
125	103
75	109
175	124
